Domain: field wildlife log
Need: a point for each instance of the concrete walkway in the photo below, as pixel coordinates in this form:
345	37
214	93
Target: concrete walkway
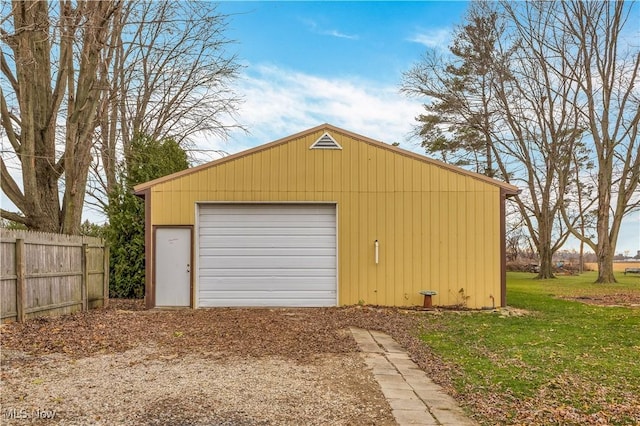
414	398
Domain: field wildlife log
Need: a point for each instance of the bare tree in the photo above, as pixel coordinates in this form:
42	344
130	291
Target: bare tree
560	79
517	240
579	201
543	127
520	113
168	77
51	59
84	78
606	73
587	58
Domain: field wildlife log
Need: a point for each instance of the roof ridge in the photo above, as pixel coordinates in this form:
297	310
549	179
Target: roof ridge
509	188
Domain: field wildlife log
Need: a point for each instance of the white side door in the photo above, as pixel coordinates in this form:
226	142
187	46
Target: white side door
173	267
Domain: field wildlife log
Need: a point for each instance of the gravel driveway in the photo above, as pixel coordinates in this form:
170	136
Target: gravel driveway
140	386
220	366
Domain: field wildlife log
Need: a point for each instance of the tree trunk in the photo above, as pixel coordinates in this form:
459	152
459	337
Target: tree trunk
605	248
605	263
488	147
606	244
545	228
546	263
38	106
581	258
41	94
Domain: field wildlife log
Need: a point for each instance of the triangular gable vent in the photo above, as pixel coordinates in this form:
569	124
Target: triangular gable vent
325	142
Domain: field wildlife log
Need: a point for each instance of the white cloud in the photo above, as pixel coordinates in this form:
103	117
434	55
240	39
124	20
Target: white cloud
438	38
318	29
281	102
338	34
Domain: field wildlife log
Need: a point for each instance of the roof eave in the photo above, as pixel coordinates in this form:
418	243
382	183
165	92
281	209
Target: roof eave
509	189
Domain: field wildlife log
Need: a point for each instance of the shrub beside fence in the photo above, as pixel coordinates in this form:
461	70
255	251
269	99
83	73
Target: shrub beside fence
51	274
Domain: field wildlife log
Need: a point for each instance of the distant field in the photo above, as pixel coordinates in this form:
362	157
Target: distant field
617	266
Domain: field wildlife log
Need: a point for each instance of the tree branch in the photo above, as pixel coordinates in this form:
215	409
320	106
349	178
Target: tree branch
6	70
7	121
15	217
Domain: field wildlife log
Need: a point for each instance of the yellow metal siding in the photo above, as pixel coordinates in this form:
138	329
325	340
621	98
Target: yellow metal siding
437	229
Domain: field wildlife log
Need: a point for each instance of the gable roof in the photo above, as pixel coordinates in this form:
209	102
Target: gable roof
509	189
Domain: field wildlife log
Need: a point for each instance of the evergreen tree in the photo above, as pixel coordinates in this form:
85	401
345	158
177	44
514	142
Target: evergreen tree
148	159
457	123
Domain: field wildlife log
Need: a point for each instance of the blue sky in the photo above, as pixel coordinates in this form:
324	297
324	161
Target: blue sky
376	40
307	63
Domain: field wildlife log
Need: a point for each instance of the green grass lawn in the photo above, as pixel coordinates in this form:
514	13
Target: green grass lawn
562	362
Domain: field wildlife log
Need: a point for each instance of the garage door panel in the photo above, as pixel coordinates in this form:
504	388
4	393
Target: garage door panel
273	251
286	224
310	299
302	220
267	255
267	272
249	283
249	262
268	209
269	303
235	219
264	241
273	295
275	231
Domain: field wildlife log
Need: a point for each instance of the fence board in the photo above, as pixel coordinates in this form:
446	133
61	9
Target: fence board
51	274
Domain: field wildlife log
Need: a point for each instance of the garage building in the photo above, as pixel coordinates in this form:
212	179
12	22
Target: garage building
324	217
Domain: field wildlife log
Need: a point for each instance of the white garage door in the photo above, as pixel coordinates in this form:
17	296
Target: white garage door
266	255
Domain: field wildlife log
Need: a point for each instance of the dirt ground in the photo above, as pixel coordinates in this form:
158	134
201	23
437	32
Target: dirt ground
223	366
613	300
127	365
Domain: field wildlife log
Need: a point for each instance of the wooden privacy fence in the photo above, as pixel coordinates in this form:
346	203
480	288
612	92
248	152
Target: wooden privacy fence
51	274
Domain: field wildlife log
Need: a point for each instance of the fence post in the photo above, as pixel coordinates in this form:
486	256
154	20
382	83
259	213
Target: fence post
85	276
21	289
105	277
